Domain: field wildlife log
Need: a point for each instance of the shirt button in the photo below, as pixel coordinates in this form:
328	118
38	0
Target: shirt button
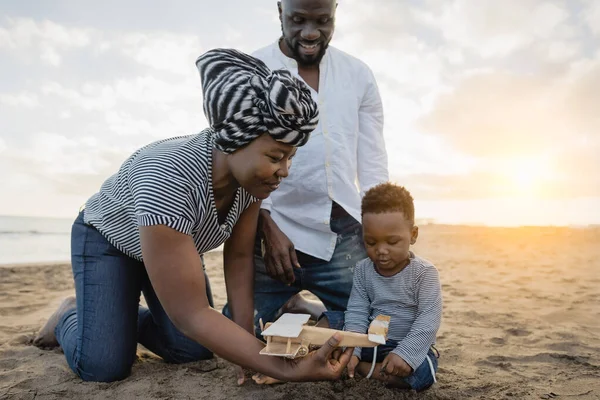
224	227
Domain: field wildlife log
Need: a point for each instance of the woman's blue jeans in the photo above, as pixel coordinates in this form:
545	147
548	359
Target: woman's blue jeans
99	337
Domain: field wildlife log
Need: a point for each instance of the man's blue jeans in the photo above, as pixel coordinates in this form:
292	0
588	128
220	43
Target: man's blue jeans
330	281
99	337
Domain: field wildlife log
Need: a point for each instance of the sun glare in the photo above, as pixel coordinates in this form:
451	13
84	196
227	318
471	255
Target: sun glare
526	177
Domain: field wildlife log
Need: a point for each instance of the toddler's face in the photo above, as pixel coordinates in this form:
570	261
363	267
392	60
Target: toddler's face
388	237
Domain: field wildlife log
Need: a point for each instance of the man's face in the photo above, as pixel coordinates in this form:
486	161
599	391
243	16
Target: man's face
307	27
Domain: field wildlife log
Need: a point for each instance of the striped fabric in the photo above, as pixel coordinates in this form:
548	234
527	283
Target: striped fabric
168	182
243	100
412	298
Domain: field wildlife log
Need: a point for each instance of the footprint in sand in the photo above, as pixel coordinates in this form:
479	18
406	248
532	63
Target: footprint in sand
518	332
495	361
24	339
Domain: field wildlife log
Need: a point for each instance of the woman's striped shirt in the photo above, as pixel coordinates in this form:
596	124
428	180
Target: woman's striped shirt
412	298
168	182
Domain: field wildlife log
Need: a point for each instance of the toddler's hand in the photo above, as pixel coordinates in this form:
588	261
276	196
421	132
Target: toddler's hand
352	366
393	364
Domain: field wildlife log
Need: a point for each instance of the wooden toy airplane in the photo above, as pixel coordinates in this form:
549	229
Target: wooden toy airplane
290	337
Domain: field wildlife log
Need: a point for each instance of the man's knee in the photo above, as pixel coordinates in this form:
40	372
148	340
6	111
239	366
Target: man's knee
332	319
263	315
257	317
225	311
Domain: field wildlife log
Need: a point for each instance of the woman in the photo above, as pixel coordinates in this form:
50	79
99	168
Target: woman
170	202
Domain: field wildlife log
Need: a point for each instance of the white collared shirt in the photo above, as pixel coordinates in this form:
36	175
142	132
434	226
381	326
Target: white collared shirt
344	157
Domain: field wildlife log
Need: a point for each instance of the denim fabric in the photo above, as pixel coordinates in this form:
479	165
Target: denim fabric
420	379
335	319
99	337
330	281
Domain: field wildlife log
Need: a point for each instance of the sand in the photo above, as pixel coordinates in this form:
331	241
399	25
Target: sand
521	320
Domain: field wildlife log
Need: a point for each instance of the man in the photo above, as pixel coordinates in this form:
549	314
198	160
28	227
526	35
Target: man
311	237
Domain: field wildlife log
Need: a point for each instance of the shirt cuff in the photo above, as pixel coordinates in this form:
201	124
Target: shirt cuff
179	224
399	351
357	352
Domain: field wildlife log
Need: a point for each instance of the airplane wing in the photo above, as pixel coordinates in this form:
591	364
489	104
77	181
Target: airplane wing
288	325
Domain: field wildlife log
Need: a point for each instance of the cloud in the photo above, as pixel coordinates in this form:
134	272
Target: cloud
500	114
475	93
25	32
558	177
89	97
524	134
47	37
27	100
175	53
78	164
146	90
591	15
158	50
577	167
496	29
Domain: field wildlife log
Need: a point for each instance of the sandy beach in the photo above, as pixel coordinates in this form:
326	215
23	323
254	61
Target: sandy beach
521	320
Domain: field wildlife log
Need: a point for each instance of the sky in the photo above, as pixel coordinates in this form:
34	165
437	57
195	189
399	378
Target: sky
492	108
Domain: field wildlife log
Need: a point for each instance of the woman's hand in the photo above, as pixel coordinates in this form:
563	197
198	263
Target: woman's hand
320	364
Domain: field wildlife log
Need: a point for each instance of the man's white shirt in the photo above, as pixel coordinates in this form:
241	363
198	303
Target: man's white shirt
344	157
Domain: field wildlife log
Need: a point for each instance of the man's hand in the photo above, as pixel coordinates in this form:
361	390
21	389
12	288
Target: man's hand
278	251
352	366
393	364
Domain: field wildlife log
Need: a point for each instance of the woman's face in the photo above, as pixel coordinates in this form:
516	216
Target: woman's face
260	166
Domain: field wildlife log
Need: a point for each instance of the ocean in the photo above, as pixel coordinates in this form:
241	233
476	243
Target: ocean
32	239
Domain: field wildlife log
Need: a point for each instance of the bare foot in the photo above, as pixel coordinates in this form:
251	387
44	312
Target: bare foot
261	379
46	338
298	304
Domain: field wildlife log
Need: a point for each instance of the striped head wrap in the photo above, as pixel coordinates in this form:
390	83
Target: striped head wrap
243	100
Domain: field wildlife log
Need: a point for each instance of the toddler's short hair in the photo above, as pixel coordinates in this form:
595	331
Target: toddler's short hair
388	197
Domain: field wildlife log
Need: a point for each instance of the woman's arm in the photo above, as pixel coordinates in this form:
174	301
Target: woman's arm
175	271
238	264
